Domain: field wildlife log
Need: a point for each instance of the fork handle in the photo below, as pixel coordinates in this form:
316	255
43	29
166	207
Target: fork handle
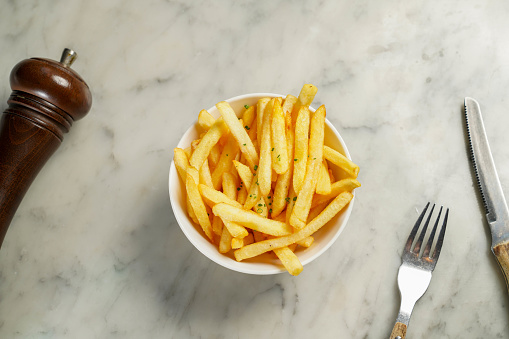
399	331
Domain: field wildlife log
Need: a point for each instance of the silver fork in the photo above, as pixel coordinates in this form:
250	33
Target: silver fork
414	273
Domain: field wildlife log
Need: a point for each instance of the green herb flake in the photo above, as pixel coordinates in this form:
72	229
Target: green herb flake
295	159
294	198
246	106
255	167
246	127
238	188
270	210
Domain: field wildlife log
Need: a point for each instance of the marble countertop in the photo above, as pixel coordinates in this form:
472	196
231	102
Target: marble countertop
94	250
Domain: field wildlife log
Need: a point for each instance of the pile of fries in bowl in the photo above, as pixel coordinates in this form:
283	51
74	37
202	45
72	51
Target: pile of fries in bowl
262	183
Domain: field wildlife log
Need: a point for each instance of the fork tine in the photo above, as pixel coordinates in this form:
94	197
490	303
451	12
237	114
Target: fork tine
418	244
414	230
440	240
427	249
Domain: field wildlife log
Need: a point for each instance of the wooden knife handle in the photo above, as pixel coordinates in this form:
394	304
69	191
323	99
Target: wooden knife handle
399	330
48	96
502	254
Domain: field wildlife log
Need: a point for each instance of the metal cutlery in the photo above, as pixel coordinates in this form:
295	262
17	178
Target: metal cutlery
492	195
414	275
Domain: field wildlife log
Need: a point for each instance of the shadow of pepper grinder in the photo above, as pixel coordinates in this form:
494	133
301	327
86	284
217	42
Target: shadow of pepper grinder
47	97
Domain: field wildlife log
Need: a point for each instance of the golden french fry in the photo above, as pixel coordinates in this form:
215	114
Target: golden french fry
251	220
248	116
217	225
214	155
241	242
207	142
205	177
253	193
317	134
306	242
236	230
205	120
225	244
327	214
190	210
314	211
188	152
303	203
323	186
239	132
290	204
288	104
229	153
332	179
261	207
280	217
289	260
306	96
340	160
265	165
245	174
305	196
284	181
230	187
268	202
197	202
216	197
258	236
301	148
181	163
242	195
348	185
279	151
260	109
195	144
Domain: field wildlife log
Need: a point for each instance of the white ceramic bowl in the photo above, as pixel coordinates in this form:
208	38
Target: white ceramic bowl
266	263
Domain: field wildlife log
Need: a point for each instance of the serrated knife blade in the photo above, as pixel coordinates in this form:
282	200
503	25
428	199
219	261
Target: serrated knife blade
497	213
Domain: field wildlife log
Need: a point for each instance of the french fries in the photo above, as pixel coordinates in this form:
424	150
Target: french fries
340	160
208	141
265	167
205	120
267	245
261	180
279	149
239	132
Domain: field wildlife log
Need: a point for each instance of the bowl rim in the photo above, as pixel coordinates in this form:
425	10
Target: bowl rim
244	267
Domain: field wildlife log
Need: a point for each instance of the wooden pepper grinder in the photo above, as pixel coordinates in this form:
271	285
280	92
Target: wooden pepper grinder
47	97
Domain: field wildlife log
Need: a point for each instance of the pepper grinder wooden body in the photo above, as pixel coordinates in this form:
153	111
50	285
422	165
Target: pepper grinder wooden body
47	97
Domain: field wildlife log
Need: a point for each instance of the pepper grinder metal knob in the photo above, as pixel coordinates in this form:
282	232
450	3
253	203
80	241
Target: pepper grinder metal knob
47	97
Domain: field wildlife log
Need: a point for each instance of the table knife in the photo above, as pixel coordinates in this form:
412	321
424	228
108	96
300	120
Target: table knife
492	195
